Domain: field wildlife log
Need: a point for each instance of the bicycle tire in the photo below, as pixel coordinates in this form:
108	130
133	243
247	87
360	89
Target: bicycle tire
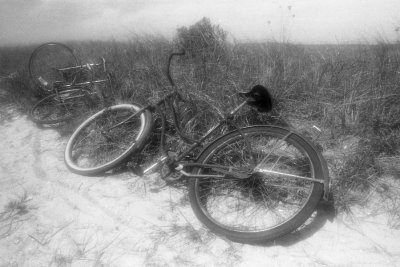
48	57
260	190
59	107
95	139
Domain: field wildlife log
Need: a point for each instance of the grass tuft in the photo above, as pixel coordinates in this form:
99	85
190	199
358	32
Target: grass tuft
13	215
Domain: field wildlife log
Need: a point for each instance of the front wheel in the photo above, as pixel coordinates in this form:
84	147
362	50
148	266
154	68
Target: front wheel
272	200
105	139
60	107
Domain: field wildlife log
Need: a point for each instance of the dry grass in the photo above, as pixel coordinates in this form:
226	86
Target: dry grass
13	214
346	89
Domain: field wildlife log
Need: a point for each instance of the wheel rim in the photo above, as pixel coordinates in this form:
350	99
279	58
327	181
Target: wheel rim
58	108
95	146
261	202
44	62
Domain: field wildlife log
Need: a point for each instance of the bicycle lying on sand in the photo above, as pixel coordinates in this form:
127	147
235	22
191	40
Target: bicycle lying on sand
251	185
55	70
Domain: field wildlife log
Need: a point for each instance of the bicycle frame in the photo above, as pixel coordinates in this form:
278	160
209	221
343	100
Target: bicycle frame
61	86
167	102
177	164
89	66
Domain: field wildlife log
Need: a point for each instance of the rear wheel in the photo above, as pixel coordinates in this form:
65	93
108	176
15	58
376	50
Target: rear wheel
105	139
46	64
56	108
264	205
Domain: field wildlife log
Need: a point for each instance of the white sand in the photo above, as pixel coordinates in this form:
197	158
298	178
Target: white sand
124	220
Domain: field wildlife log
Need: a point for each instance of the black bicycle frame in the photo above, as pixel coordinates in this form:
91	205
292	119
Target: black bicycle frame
60	85
226	172
168	103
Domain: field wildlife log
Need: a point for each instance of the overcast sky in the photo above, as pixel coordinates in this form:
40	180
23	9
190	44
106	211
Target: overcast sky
303	21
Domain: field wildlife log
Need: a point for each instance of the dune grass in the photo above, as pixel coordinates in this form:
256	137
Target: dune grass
347	90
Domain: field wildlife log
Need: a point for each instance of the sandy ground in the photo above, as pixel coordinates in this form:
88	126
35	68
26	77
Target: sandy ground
51	217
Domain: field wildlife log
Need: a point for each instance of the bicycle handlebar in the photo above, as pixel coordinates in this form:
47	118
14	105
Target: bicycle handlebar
181	53
87	66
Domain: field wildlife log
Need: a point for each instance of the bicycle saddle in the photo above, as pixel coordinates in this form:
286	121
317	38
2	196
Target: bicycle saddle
259	97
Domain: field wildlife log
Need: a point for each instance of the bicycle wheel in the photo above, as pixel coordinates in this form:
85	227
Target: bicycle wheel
263	206
107	138
56	108
45	63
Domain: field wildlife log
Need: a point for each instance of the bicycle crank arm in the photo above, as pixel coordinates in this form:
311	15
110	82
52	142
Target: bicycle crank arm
289	175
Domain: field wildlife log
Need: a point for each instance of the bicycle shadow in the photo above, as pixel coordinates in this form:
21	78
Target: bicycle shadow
324	212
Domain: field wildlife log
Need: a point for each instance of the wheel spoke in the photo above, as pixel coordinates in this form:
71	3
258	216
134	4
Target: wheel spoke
97	143
59	107
274	194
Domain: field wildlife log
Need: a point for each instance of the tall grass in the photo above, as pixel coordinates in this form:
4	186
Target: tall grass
347	89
